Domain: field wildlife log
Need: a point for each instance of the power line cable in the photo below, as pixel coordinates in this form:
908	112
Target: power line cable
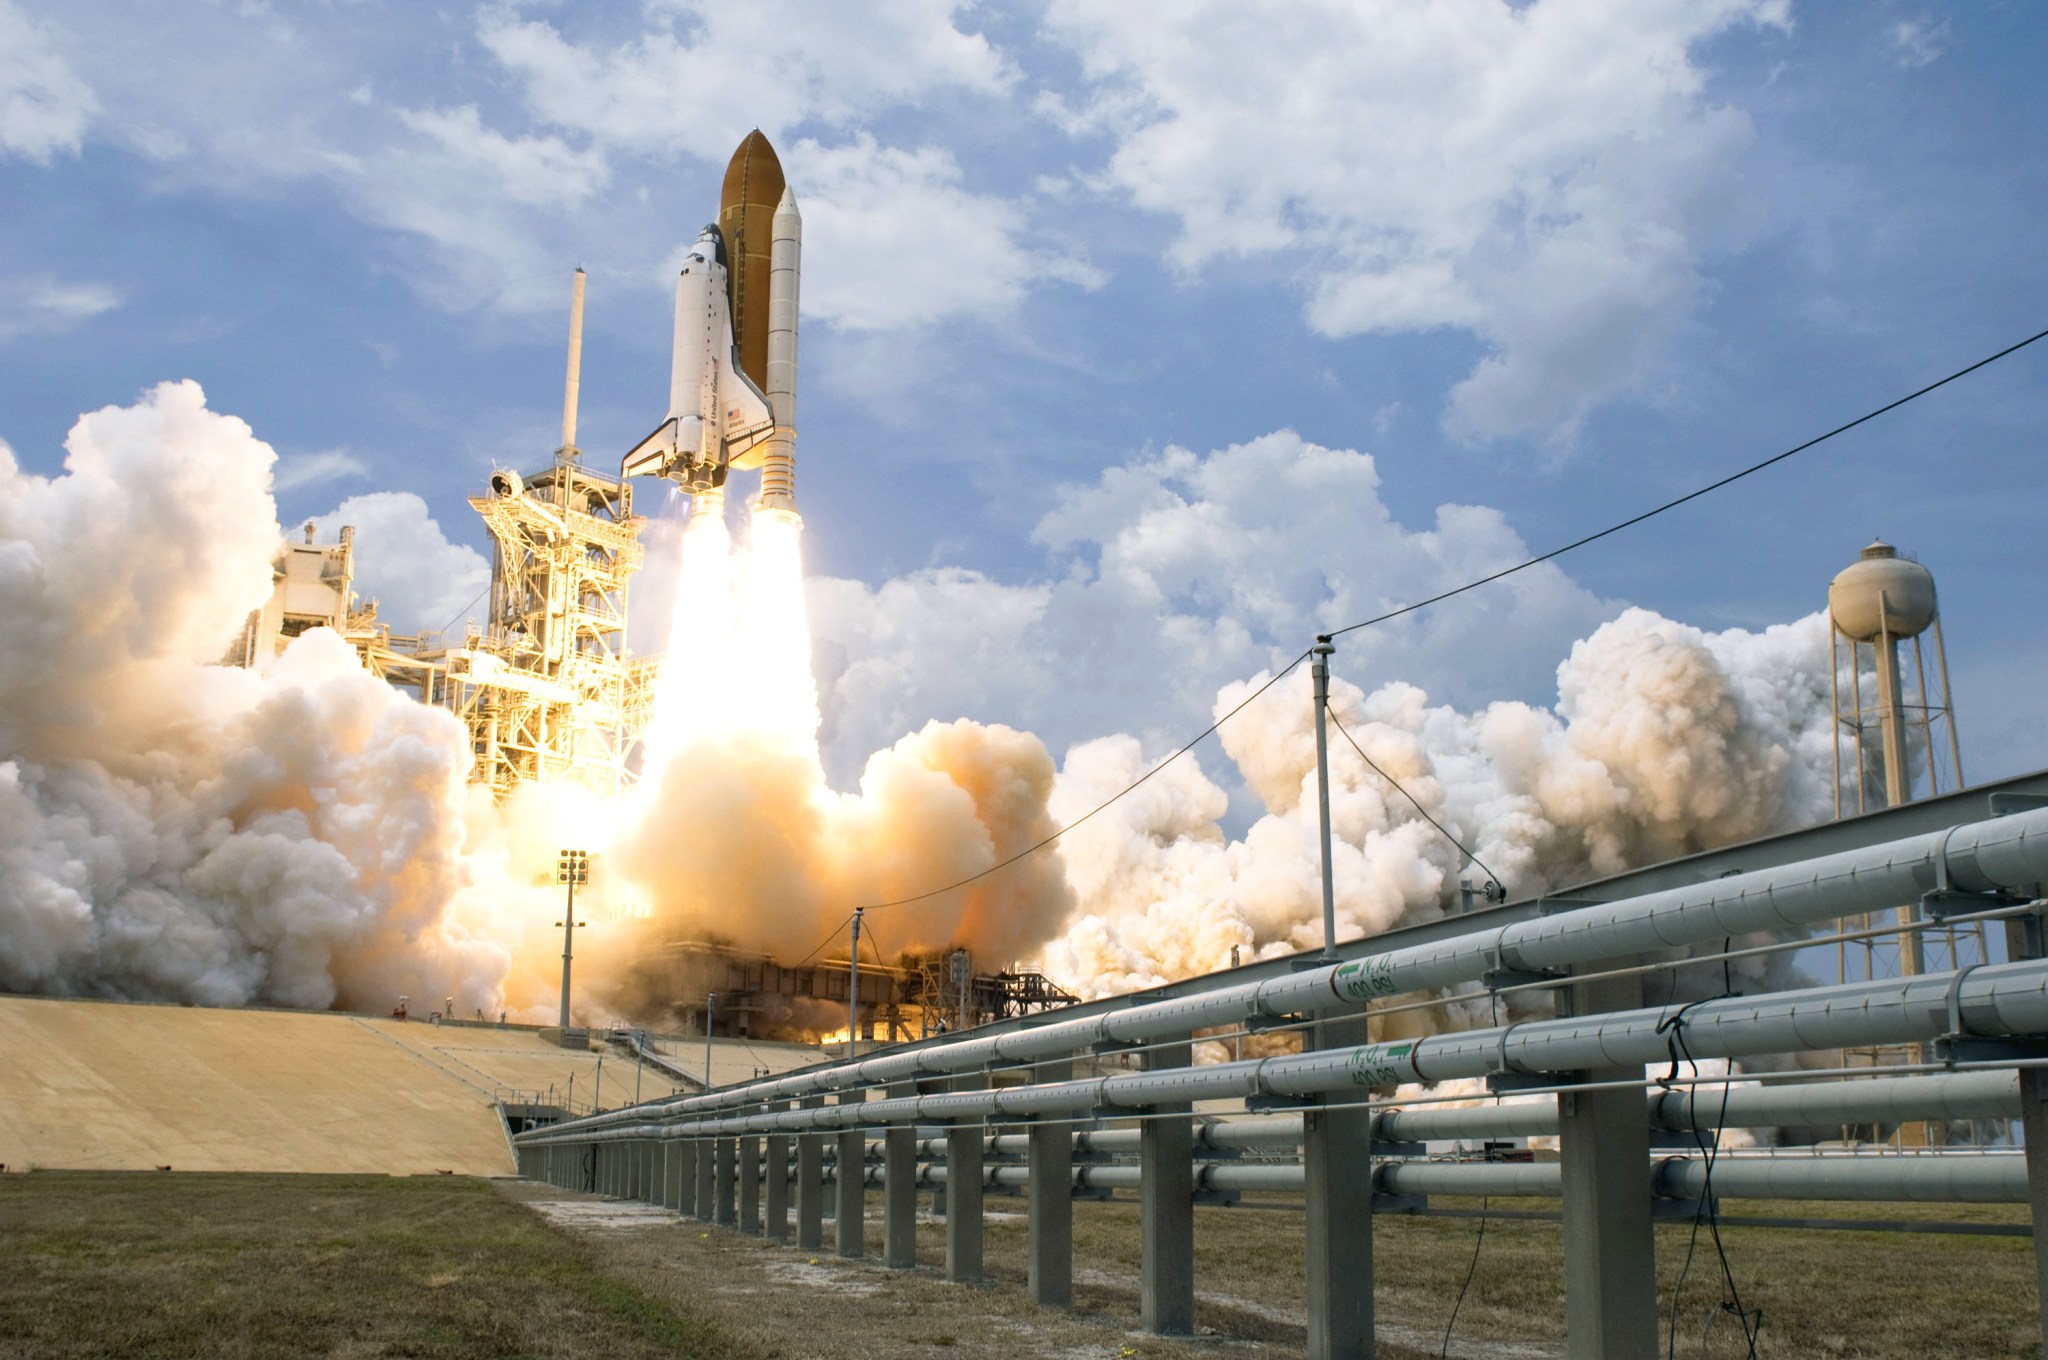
822	943
463	612
1418	605
1471	1267
1411	798
1102	806
1688	496
1750	1320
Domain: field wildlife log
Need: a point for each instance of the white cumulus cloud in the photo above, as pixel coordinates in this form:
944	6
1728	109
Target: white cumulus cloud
405	562
893	238
702	75
44	107
1541	175
1176	573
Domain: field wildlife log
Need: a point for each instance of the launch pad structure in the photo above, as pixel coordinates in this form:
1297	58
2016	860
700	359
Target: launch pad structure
919	996
545	685
547	689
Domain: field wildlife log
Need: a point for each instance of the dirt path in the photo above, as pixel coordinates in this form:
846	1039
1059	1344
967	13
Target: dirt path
814	1304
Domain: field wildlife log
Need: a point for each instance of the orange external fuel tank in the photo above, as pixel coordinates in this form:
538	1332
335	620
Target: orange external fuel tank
746	217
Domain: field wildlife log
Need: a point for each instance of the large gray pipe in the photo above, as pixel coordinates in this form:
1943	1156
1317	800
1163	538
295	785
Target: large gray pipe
1935	1178
1871	1100
2005	853
2002	999
1977	1177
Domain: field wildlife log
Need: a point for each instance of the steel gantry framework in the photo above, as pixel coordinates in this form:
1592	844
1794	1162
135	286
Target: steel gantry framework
550	692
546	687
1579	1072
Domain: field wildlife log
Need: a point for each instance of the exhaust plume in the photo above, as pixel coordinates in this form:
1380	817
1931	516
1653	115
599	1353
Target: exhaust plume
305	836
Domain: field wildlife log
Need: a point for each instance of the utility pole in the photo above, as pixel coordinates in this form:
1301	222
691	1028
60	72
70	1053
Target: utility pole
571	868
853	990
710	1012
1321	669
962	965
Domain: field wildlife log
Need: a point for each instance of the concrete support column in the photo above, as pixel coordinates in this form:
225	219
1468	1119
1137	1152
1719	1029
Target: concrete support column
606	1159
2034	1128
671	1174
1050	1158
1166	1206
685	1154
777	1198
646	1187
1336	1153
849	1209
964	1143
899	1190
1610	1266
750	1183
726	1170
810	1185
707	1180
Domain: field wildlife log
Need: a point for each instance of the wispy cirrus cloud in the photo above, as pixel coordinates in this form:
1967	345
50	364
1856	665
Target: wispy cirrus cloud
42	304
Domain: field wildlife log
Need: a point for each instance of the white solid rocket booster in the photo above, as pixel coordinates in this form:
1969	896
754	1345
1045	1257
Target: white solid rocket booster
778	466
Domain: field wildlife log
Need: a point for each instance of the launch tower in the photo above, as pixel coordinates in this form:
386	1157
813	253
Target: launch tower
546	687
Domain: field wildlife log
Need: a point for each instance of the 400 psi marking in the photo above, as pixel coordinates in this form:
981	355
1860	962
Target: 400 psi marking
1362	979
1373	1065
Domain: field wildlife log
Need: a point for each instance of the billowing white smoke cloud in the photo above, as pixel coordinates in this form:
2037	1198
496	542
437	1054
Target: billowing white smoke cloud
1176	573
171	828
1665	740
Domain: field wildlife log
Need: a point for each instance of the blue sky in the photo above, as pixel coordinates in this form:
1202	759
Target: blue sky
1551	262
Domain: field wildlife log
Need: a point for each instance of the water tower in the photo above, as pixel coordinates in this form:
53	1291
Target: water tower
1876	605
1886	729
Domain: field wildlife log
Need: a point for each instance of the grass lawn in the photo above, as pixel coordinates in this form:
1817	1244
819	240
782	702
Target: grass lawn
141	1264
138	1264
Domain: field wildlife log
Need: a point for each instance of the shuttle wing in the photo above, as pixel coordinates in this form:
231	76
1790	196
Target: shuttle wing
651	456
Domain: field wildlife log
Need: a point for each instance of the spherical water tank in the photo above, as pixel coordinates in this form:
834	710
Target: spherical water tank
1882	590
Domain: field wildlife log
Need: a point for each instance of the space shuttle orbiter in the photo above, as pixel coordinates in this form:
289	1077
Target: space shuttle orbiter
715	413
735	331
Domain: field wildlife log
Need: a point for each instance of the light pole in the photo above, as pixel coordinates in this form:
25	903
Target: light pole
710	1014
571	867
1321	670
853	990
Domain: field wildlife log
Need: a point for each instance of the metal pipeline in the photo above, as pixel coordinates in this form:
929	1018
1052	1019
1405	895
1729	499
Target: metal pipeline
2002	999
1977	1177
2003	853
